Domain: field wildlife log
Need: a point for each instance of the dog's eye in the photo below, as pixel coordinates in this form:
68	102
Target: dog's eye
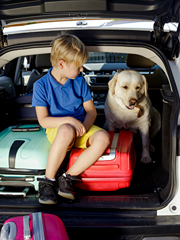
137	88
125	87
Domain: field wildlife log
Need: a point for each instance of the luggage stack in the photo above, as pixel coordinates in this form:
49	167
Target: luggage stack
24	150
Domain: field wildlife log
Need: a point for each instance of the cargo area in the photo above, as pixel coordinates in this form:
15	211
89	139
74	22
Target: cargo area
150	184
119	197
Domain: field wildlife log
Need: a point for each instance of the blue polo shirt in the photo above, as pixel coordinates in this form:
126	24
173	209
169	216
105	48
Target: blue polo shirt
61	100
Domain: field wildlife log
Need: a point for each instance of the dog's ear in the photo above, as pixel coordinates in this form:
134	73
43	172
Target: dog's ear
145	91
112	83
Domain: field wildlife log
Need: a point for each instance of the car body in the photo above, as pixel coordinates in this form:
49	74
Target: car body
112	31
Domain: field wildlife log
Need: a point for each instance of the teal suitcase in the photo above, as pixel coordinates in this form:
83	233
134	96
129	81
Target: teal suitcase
23	156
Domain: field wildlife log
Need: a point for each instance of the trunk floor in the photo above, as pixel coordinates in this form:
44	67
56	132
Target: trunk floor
141	192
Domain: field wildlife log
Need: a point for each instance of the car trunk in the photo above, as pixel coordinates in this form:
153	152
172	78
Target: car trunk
151	185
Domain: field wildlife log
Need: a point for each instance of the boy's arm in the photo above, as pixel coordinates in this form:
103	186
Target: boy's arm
51	122
91	114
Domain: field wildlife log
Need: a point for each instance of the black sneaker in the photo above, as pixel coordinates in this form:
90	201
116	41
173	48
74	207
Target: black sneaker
66	186
47	191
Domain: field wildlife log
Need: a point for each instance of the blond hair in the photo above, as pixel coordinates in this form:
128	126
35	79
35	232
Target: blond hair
69	48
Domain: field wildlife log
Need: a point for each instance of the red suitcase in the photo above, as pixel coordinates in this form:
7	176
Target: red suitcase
36	226
114	169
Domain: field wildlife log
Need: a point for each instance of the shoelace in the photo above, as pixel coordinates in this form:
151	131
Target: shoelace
69	179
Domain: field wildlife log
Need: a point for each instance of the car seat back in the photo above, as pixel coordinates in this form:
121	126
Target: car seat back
42	61
20	107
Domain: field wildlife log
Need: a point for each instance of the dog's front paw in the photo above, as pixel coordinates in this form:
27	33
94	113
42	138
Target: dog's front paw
146	159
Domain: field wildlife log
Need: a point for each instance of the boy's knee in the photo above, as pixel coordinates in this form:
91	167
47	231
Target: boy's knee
103	137
66	131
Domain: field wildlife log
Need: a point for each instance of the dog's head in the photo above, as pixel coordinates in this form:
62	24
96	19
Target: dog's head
128	87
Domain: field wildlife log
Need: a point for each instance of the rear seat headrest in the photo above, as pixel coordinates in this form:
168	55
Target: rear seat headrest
137	61
43	61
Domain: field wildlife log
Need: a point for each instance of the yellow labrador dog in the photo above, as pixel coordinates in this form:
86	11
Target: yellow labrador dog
128	107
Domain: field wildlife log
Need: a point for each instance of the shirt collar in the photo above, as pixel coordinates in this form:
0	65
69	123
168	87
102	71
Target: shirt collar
55	83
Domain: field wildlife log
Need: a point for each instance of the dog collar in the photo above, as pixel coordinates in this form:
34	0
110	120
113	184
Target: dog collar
141	111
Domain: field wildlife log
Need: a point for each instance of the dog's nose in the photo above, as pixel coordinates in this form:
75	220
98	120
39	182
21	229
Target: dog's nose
132	101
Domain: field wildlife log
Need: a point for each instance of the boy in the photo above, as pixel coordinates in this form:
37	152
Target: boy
65	109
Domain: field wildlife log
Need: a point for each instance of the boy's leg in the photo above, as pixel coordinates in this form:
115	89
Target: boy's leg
58	150
96	146
98	143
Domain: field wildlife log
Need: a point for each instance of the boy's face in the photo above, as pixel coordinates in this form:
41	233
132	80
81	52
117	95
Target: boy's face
71	71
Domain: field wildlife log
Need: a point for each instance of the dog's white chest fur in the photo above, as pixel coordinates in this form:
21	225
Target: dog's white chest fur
119	117
127	97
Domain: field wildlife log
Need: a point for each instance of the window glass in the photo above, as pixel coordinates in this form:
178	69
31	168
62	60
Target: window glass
106	57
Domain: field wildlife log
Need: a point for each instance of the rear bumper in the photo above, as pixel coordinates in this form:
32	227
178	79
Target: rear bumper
159	228
91	224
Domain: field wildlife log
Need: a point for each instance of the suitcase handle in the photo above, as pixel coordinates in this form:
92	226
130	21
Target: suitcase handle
27	233
8	231
25	129
5	193
16	179
112	154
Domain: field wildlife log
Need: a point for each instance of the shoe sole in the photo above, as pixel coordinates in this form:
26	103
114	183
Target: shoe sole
66	195
47	202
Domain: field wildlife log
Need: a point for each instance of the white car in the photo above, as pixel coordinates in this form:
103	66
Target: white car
139	35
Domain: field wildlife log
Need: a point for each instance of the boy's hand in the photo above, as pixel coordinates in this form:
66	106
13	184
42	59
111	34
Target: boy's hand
79	127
